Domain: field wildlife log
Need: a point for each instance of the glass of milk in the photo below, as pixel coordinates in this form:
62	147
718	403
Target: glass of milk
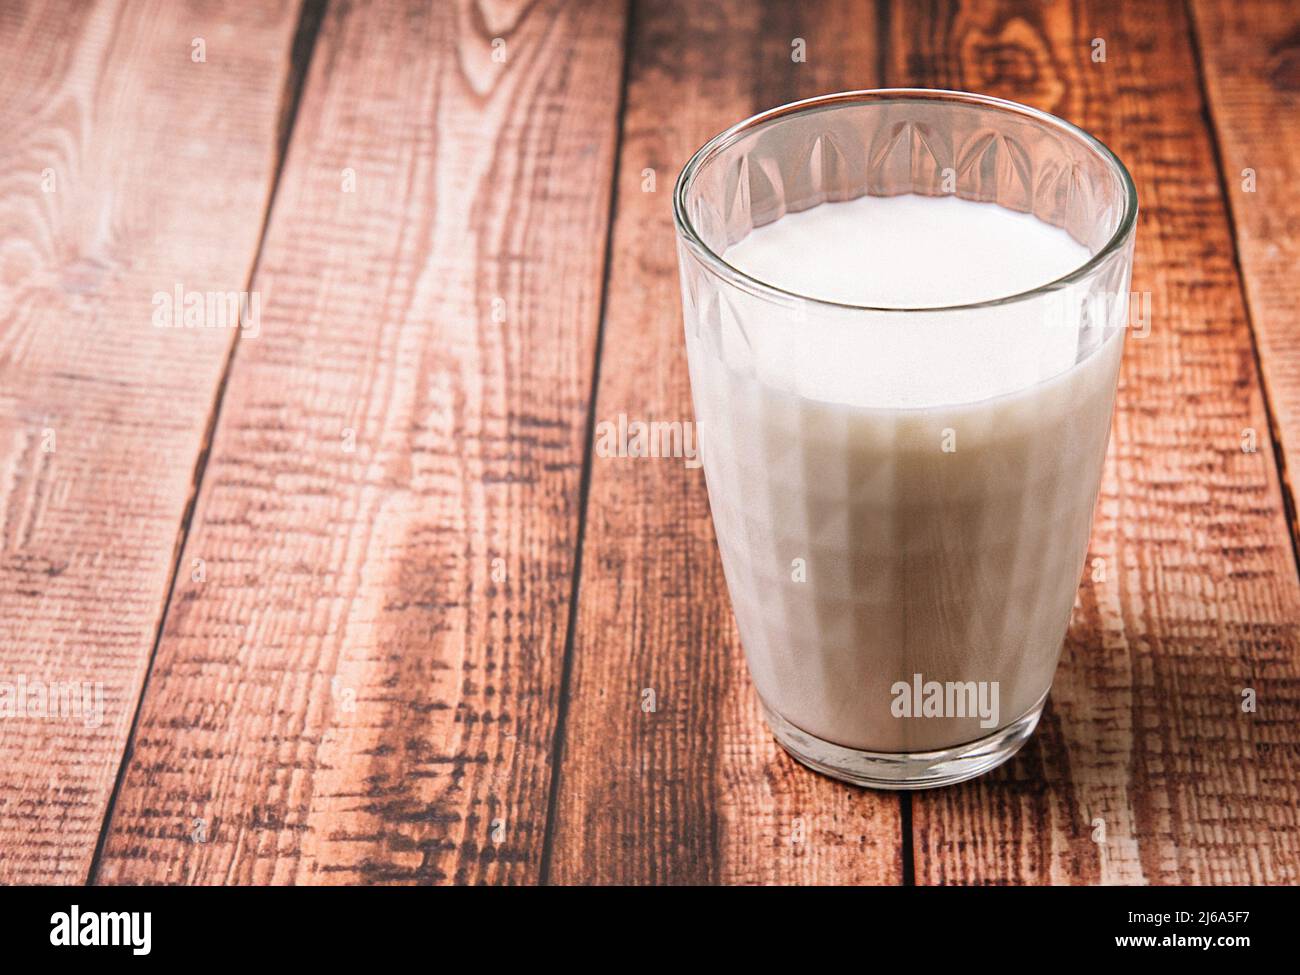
904	316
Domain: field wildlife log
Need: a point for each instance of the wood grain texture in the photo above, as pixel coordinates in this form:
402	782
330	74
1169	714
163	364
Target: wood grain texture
107	120
363	687
695	791
1145	729
1250	60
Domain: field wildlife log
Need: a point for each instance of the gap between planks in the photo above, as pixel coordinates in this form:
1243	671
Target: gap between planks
1218	137
588	452
310	15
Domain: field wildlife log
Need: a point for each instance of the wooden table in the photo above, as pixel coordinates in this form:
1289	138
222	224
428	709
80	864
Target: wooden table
363	603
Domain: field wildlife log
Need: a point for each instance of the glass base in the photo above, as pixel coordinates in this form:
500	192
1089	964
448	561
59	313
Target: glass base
905	770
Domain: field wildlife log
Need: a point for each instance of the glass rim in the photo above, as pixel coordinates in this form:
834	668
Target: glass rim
686	230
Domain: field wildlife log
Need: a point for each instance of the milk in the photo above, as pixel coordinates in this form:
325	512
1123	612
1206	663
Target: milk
901	497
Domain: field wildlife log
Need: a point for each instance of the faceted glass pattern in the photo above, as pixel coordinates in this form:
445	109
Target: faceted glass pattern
788	477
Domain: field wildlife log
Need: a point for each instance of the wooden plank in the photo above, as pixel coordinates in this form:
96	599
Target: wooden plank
363	688
1200	599
695	791
108	120
1250	60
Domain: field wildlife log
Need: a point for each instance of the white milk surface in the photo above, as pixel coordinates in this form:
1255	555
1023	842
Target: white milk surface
907	252
934	473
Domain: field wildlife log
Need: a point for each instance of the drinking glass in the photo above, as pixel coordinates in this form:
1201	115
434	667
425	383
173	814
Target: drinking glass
875	553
